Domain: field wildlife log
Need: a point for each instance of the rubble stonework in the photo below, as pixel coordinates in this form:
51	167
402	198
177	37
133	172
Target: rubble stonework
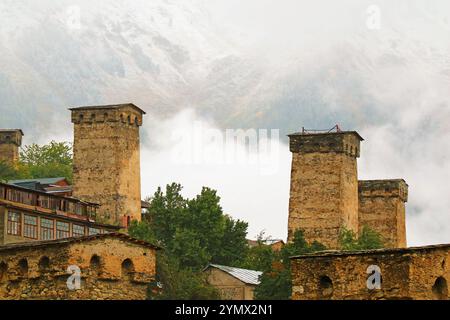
324	185
406	273
10	142
382	208
326	195
113	266
107	160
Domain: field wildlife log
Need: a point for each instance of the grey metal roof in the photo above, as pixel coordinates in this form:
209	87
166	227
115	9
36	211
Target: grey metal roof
245	275
108	106
41	181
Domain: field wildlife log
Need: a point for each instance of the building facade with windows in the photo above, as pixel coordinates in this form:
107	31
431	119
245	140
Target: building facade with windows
28	215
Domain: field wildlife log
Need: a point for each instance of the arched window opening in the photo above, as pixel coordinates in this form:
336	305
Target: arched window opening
129	119
95	264
3	270
326	286
136	122
127	268
440	289
44	263
23	267
81	117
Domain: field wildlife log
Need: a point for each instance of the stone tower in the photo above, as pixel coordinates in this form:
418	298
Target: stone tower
382	209
10	142
324	185
106	167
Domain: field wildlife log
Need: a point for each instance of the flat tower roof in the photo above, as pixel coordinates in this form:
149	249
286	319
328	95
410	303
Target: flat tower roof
325	134
108	106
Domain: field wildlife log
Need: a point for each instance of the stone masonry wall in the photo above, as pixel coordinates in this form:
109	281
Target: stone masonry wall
107	161
413	273
111	268
10	141
324	185
382	208
229	287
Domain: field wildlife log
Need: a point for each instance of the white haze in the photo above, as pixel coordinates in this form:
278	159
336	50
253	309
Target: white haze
252	64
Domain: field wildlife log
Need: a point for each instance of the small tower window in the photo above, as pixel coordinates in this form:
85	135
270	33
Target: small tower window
326	286
44	263
81	117
440	289
136	121
95	264
127	268
129	119
23	267
3	270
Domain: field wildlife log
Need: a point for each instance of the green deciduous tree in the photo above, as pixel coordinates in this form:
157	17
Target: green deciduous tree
7	172
46	161
276	283
179	283
193	233
368	239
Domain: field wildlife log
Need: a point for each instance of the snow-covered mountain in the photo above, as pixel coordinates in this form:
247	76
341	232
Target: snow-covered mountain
166	55
55	54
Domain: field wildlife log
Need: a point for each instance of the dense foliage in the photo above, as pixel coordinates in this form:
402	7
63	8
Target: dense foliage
7	172
193	232
41	161
368	239
276	278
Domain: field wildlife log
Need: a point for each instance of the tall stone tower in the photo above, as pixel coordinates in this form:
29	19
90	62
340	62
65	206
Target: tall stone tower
10	142
382	209
106	168
324	185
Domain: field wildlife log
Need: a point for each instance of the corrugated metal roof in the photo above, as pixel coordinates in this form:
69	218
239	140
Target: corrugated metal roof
245	275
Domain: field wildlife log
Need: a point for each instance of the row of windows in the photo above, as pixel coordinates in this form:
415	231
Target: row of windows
50	229
44	201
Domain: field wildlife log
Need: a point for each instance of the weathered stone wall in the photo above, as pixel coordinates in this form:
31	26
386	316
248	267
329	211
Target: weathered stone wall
10	141
111	268
324	185
413	273
107	160
382	208
229	287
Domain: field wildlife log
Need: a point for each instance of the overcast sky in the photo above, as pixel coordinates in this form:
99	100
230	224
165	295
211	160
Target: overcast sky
379	67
